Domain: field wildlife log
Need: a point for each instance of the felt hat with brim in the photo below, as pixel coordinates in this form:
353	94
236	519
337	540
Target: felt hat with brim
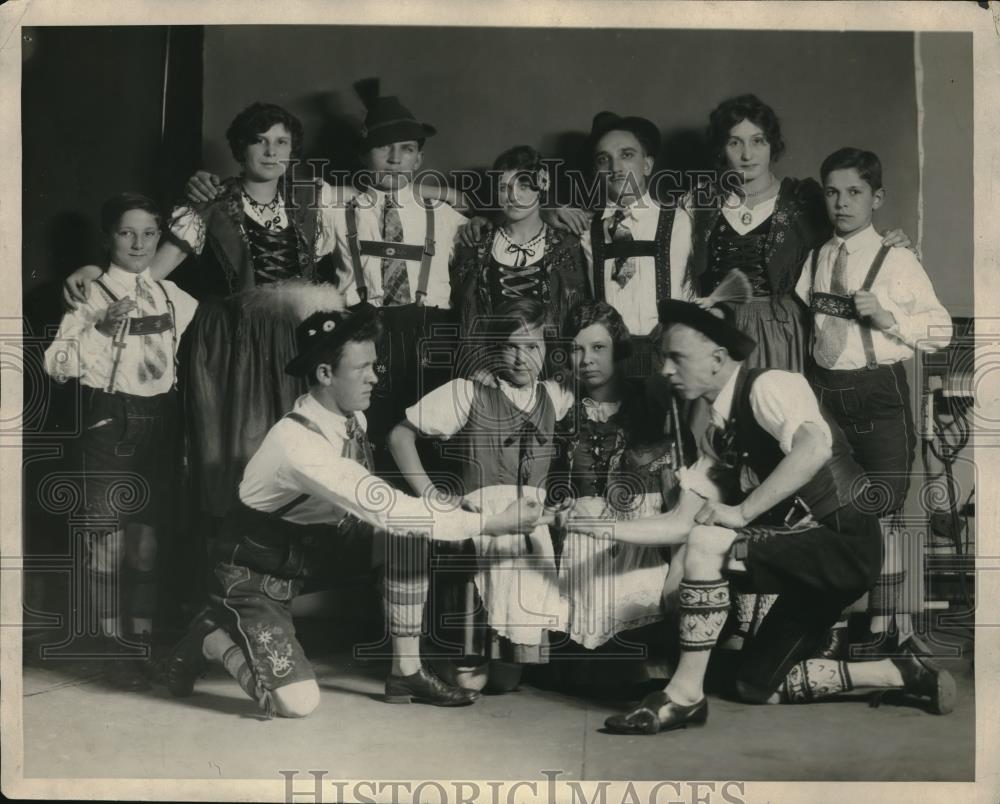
323	331
388	121
717	324
644	130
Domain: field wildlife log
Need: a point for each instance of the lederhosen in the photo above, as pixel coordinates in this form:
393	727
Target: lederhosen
130	434
819	550
408	368
263	561
871	404
640	364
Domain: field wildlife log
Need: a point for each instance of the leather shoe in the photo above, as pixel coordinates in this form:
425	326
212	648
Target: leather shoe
186	663
425	687
835	647
646	719
924	678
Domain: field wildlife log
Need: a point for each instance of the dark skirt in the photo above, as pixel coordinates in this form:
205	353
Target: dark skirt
236	389
780	327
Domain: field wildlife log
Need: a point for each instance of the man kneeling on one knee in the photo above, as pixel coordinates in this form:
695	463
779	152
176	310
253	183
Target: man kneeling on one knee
313	470
796	528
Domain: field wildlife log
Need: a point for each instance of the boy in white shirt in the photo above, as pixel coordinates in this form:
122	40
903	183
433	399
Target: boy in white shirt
121	345
873	307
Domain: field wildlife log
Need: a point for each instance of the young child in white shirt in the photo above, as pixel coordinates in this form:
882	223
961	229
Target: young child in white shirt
121	345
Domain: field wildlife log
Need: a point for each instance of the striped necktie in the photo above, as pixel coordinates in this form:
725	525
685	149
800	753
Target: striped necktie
395	282
620	233
154	356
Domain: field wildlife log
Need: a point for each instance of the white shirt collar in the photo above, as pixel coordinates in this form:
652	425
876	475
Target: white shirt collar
642	205
522	396
406	196
333	425
722	407
126	279
599	411
865	239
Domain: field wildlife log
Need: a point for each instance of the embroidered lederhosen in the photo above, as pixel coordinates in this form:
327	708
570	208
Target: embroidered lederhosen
658	248
843	306
145	325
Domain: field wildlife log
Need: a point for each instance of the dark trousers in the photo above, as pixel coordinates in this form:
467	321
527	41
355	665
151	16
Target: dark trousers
816	572
872	407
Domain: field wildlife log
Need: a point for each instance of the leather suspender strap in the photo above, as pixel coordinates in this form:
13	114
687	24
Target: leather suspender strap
118	342
173	325
664	229
866	331
383	250
310	425
597	250
351	214
425	261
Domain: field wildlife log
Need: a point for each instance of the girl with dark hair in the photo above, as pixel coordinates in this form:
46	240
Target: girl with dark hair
260	234
504	432
764	227
523	257
620	451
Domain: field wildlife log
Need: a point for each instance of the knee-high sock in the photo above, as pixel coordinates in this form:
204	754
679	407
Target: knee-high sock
238	667
406	584
813	679
704	606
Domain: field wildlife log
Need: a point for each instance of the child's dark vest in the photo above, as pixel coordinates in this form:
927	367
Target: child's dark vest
658	249
504	445
840	481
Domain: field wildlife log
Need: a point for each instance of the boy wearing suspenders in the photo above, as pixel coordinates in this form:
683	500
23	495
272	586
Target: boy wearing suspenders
395	248
872	306
313	471
121	345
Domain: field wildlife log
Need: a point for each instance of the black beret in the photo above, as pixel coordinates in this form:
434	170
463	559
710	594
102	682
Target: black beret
721	330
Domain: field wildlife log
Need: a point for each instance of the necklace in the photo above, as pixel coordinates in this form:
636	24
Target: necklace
268	214
747	216
524	251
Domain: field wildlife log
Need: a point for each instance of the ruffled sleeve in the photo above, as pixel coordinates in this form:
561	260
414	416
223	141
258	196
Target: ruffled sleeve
187	230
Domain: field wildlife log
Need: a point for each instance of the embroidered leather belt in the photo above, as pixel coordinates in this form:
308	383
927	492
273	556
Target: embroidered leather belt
830	304
394	251
150	324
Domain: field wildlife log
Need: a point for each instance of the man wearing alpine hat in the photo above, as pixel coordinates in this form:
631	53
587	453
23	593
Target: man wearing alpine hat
774	504
313	470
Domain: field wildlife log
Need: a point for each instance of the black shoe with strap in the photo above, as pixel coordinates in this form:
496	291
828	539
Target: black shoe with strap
425	687
186	663
922	678
646	718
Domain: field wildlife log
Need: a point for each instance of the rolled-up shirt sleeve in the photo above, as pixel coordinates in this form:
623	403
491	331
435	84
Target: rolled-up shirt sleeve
350	487
782	402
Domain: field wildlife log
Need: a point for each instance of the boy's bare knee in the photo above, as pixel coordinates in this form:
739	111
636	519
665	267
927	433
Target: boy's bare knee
297	700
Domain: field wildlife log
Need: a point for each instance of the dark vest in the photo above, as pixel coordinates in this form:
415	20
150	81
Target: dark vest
658	249
835	485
